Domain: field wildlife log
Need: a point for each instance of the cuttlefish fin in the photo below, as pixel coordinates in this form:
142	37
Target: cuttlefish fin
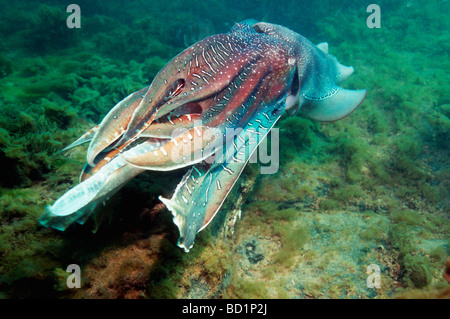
336	107
86	137
204	188
323	47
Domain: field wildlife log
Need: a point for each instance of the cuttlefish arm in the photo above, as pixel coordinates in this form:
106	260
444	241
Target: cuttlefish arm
113	125
264	66
156	130
198	73
195	74
204	188
86	137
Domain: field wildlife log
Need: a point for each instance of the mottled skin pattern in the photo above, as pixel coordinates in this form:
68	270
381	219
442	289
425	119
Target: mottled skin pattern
242	82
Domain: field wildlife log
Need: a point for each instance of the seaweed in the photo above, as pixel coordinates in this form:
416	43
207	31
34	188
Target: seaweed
292	241
48	31
296	135
29	140
5	66
417	273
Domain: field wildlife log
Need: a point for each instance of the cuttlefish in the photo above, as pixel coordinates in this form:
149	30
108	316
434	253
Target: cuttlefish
209	108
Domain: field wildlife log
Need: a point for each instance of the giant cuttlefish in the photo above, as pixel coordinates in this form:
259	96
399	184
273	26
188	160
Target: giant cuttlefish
240	82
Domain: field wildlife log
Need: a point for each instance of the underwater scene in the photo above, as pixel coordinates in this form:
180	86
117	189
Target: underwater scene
344	105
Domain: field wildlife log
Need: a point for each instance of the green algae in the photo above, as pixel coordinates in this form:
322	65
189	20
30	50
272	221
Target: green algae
292	241
29	253
29	140
417	272
246	289
47	25
407	217
5	66
329	204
